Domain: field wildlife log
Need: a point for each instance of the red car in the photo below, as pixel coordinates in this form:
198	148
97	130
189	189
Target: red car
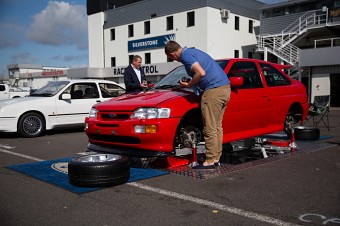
166	118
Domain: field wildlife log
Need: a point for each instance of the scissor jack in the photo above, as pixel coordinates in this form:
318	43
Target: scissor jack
182	157
268	146
189	156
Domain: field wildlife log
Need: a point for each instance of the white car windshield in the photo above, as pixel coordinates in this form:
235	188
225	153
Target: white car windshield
50	89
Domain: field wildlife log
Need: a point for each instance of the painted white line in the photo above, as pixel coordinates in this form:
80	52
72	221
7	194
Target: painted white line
214	205
6	146
21	155
240	212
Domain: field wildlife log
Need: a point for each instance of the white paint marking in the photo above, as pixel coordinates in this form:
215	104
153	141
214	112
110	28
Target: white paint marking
240	212
6	146
21	155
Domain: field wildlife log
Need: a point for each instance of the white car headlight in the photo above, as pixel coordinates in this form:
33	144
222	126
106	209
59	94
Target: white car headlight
93	113
150	113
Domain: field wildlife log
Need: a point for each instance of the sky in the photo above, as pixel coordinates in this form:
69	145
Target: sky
47	33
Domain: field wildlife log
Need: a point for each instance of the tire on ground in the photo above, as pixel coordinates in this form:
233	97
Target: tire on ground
306	133
99	170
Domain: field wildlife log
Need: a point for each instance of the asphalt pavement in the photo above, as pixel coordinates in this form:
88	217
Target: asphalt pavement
299	190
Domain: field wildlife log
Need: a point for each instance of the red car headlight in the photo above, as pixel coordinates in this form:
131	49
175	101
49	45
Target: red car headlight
150	113
93	113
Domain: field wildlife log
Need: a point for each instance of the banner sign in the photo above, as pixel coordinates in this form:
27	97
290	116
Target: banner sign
53	73
150	43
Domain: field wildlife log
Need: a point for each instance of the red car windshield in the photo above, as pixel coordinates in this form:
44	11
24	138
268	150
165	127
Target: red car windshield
171	80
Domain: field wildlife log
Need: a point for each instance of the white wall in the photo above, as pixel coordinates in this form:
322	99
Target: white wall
195	36
321	85
95	31
190	36
211	34
223	39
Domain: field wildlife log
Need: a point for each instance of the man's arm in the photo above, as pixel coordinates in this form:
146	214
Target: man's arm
199	72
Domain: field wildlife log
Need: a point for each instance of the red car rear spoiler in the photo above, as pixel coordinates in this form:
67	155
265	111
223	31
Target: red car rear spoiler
282	66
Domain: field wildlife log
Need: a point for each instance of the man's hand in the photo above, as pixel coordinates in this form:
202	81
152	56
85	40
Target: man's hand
184	82
144	84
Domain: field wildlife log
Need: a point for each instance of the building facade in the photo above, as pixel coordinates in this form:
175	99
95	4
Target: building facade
223	29
305	34
34	76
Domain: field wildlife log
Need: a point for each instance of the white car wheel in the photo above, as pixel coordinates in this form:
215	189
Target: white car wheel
31	125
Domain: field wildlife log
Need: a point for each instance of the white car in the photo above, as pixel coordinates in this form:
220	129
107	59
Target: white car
58	104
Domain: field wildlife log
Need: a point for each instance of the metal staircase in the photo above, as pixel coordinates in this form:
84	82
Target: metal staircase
280	44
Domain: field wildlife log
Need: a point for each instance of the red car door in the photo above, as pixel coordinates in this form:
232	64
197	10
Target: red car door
248	110
281	90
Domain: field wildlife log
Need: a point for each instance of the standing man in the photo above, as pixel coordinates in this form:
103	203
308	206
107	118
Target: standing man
210	78
134	77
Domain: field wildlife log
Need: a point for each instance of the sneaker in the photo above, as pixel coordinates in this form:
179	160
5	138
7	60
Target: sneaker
201	166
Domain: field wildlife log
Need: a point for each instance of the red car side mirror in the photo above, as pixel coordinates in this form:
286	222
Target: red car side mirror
236	81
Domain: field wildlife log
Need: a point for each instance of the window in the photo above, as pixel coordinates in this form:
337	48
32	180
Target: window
130	59
250	55
261	56
147	27
91	92
169	23
113	34
273	76
191	19
2	88
251	26
130	30
249	72
83	91
236	53
110	90
113	61
148	58
237	23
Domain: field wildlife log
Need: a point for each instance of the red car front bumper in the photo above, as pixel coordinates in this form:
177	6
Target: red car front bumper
120	135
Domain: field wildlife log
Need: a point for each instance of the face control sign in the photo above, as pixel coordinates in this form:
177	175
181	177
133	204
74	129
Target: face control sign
150	43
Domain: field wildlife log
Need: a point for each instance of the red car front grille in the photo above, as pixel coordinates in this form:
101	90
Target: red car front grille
113	115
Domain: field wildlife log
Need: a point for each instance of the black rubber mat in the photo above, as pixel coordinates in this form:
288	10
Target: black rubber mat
237	160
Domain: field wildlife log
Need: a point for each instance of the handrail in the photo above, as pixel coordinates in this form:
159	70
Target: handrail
315	16
280	44
289	52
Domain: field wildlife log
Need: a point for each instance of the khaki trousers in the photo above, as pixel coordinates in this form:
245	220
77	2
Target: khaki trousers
213	104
